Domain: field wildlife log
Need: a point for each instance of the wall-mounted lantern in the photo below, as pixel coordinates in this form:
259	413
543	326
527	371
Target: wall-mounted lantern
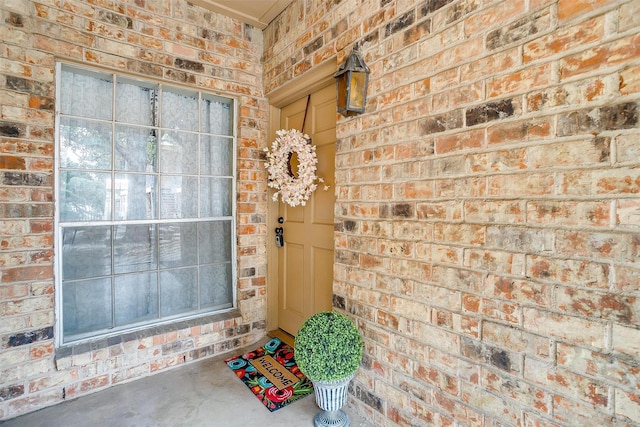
352	79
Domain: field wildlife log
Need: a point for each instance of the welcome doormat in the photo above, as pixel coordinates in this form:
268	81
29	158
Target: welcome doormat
271	374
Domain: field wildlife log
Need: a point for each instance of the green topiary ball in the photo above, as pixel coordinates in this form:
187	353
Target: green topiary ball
328	347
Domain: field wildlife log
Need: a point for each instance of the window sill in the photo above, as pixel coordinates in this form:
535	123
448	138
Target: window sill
69	350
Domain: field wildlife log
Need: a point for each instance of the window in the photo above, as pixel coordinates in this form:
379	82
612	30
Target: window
144	203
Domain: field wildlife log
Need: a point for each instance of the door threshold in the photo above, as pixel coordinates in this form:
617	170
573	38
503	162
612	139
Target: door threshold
285	337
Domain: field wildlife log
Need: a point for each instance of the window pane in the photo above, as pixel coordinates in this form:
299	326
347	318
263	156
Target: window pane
145	183
215	285
85	144
84	196
136	297
179	110
178	291
179	153
214	240
215	197
179	197
136	149
178	245
217	115
134	196
216	156
86	305
86	252
134	248
136	104
86	94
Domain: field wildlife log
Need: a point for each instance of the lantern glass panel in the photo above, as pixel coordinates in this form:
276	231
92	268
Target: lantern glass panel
358	82
342	92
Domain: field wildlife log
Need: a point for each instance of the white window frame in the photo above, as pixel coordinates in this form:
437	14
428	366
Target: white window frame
118	331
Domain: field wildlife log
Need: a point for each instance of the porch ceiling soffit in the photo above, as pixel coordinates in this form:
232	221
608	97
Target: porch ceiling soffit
258	13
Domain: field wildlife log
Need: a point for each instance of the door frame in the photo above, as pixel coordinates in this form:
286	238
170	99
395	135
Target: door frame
309	82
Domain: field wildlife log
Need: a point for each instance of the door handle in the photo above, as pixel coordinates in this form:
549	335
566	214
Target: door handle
279	237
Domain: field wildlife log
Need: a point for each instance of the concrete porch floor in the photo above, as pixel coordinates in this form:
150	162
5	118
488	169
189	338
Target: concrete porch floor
204	393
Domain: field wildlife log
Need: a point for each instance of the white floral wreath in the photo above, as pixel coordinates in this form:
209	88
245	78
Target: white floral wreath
292	190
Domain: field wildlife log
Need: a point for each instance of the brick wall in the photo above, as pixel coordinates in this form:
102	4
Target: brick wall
488	212
167	40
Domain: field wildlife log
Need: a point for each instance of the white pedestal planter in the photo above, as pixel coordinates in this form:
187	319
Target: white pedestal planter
331	397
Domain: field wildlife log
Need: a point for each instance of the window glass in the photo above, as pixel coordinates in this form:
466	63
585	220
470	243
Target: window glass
84	196
178	196
87	306
179	153
179	110
217	291
134	196
136	149
136	102
79	91
86	251
178	245
136	298
134	248
213	238
217	115
144	204
215	197
85	144
179	293
216	155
